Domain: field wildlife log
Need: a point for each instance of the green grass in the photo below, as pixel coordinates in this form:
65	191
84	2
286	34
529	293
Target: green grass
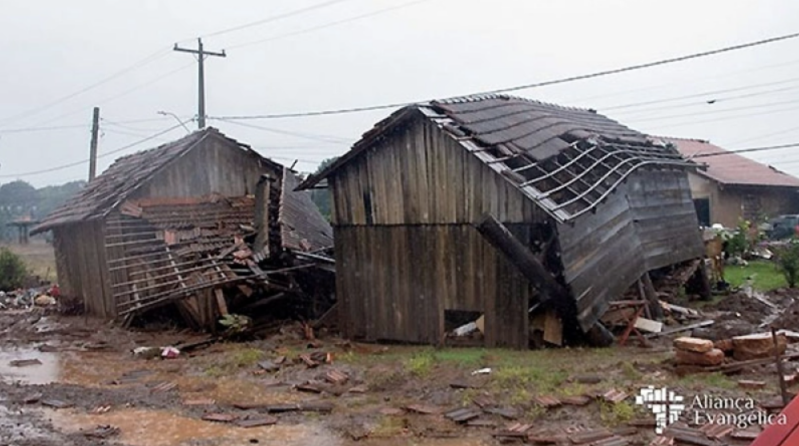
764	274
708	380
420	364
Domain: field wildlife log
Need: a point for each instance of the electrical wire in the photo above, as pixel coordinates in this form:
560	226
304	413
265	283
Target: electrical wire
711	112
525	86
147	60
313	136
103	155
329	25
276	17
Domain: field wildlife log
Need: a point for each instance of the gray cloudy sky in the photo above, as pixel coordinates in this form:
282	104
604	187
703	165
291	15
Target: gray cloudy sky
53	50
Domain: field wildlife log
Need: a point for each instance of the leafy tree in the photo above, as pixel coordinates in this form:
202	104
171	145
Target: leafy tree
12	270
321	197
18	193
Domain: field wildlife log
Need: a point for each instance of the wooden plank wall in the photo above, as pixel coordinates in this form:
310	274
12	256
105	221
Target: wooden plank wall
398	280
82	248
406	249
216	167
420	175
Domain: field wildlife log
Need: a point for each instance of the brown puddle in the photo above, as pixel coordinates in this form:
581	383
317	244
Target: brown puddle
162	428
44	373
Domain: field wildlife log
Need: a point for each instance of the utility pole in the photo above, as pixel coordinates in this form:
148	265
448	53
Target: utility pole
201	55
93	146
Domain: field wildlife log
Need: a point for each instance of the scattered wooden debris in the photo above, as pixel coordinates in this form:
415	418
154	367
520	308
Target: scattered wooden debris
662	441
32	398
24	362
625	431
423	409
261	420
578	400
546	437
56	404
508	413
309	388
749	384
269	366
481	423
614	396
390	411
220	417
547	401
322	407
717	431
680	329
590	436
164	387
363	388
464	414
612	441
484	402
745	434
200	402
336	377
684	434
513	431
643	423
102	432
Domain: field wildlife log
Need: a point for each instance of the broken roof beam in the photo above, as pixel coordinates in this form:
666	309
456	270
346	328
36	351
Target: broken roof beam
501	238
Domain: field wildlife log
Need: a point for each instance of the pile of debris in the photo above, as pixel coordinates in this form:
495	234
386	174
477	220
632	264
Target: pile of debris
219	257
23	299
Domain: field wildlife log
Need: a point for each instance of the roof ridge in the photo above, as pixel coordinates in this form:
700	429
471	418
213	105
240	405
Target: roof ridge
703	141
488	96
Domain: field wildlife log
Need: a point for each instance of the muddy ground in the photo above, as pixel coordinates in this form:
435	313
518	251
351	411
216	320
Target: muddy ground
87	381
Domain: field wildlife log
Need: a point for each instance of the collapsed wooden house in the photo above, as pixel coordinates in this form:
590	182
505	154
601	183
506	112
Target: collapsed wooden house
423	205
204	222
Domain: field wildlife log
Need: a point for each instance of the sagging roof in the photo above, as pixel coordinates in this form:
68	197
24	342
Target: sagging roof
565	159
302	227
125	176
731	168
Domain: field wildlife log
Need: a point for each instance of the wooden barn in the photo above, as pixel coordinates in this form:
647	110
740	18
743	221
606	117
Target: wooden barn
423	205
169	225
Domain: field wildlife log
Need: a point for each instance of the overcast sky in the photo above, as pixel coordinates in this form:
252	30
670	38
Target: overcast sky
56	52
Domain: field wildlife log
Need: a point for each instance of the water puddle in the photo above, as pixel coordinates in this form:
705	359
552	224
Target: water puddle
43	369
162	428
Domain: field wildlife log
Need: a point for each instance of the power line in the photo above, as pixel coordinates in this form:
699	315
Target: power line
314	136
766	135
329	25
710	112
709	93
79	163
526	86
727	118
276	17
147	60
44	129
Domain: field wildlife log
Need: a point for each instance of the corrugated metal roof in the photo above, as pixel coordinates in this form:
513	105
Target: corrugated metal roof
124	177
731	168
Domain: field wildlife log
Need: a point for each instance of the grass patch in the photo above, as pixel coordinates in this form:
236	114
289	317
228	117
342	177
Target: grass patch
388	427
542	378
630	372
215	371
764	274
245	357
708	380
615	414
421	363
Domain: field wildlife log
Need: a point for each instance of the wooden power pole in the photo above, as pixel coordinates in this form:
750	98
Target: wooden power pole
93	146
201	55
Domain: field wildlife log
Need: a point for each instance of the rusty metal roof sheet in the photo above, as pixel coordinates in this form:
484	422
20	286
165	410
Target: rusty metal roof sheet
731	168
124	177
302	226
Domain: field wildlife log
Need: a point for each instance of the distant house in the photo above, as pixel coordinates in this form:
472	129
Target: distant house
731	187
594	205
159	226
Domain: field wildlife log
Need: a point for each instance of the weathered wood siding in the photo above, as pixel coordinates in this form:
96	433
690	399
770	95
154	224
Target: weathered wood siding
216	166
395	282
406	249
647	223
420	175
82	267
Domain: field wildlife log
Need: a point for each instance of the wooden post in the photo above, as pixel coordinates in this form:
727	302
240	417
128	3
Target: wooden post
501	238
783	388
262	201
93	145
652	297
